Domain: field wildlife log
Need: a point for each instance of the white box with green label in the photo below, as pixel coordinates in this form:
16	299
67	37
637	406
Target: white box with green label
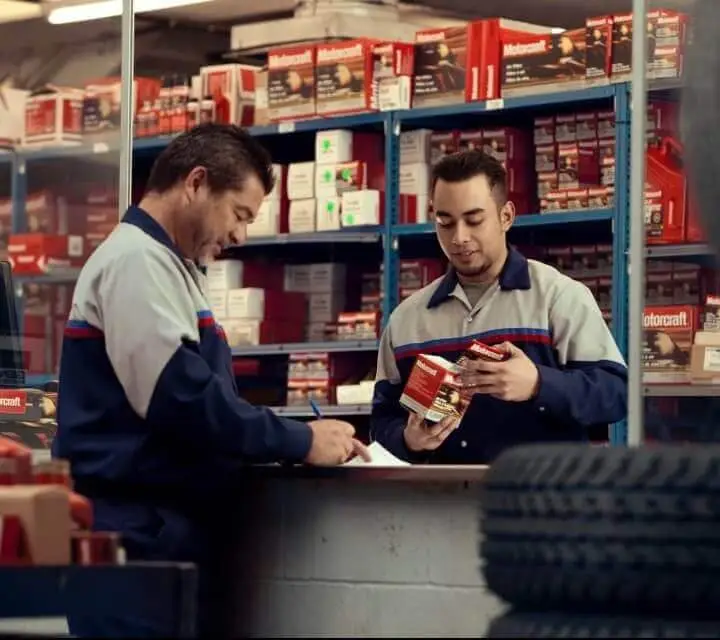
360	208
328	213
333	146
301	216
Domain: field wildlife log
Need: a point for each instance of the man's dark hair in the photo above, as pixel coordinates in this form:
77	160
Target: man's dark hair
461	166
229	153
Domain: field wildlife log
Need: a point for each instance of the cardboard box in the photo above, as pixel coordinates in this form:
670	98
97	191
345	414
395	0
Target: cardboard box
433	389
539	61
233	88
598	48
344	77
291	83
544	131
621	48
479	351
392	75
301	180
443	143
668	333
39	253
302	216
54	118
415	146
361	208
705	364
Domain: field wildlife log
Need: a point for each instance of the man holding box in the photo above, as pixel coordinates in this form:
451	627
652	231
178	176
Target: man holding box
562	373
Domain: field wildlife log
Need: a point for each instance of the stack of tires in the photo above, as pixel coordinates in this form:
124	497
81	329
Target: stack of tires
595	542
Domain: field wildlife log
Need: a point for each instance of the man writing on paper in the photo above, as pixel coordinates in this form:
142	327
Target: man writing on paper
564	374
149	414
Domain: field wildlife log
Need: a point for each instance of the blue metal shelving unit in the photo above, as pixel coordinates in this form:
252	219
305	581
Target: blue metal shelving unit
391	233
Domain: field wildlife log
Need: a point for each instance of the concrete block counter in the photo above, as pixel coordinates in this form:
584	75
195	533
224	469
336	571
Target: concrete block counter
357	552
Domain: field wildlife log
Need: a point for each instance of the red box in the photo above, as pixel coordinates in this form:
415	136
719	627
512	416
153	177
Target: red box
344	77
291	83
433	389
598	47
38	253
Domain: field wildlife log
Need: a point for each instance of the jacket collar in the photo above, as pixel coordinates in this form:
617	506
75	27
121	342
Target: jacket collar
515	275
145	222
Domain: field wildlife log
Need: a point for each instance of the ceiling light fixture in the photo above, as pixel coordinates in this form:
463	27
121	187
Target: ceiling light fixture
111	9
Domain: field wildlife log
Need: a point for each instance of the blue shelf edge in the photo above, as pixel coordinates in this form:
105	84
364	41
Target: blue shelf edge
523	221
336	346
585	94
356	235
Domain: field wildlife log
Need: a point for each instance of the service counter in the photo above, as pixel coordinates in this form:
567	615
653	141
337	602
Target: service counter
357	551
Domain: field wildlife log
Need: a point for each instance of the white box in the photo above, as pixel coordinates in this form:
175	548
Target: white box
217	301
242	332
414	179
280	173
327	277
415	147
333	146
328	213
301	180
394	93
297	278
267	221
246	304
301	218
325	307
224	274
360	208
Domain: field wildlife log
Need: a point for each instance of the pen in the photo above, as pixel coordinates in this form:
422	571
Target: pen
315	409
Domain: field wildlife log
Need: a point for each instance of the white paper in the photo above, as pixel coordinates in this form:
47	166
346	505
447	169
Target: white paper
381	457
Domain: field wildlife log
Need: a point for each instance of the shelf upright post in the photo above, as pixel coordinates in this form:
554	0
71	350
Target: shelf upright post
390	274
636	399
127	105
621	229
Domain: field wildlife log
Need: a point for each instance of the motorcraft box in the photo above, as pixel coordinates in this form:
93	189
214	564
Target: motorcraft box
433	389
668	333
291	83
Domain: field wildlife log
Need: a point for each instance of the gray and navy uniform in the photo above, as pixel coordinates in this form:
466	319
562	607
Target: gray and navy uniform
148	408
552	318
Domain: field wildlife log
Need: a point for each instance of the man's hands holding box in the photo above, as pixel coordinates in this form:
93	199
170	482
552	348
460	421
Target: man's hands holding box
438	391
514	379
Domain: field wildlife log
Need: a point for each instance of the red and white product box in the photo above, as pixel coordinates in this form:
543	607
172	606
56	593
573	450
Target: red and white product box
46	213
687	285
659	288
12	544
91	548
554	201
668	333
232	87
358	326
392	72
584	258
336	179
601	197
102	102
547	181
566	128
532	61
54	118
577	199
621	49
546	158
586	126
479	351
291	83
443	143
544	131
568	169
606	125
344	77
459	64
415	274
667	37
414	208
598	48
607	158
414	179
279	191
39	253
415	146
509	145
433	389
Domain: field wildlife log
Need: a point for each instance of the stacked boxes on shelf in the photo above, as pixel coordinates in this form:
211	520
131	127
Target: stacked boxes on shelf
42	521
249	302
575	160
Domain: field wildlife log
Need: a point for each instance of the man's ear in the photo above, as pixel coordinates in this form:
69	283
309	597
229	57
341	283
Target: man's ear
507	215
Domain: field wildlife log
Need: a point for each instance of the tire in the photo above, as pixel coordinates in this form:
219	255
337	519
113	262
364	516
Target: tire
557	625
605	530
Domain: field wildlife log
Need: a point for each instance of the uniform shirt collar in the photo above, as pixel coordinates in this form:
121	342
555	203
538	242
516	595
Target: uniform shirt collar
145	222
515	275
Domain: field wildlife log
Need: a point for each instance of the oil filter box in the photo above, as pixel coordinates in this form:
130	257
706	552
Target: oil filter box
433	389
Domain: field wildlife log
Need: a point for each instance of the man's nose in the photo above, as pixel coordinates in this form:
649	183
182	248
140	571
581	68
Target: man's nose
239	234
462	234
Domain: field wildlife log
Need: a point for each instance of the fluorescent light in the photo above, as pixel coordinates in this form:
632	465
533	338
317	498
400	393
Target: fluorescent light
111	9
